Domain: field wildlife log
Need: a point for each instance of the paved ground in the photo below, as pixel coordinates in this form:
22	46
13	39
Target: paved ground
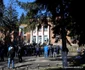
34	63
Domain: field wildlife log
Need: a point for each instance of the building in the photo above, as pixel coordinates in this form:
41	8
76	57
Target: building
22	34
42	34
27	37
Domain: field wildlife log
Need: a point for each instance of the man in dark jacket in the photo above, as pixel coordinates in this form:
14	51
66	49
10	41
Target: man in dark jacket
20	54
37	50
11	55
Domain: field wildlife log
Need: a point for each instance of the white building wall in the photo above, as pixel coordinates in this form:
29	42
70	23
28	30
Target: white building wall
31	36
36	35
42	35
45	32
39	33
34	32
48	34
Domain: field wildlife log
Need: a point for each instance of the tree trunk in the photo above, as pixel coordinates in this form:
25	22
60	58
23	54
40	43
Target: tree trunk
64	48
64	59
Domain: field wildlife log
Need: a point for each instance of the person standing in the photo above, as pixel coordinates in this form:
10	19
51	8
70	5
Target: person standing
46	51
20	54
11	55
2	51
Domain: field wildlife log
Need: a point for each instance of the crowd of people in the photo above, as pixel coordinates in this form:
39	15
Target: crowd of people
19	50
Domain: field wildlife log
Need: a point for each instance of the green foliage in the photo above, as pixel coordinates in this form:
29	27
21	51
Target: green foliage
29	19
10	17
27	6
66	9
22	18
1	12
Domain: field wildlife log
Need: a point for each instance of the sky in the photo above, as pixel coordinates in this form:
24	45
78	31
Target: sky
19	10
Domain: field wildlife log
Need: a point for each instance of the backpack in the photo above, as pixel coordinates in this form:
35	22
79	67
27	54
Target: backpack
10	52
10	48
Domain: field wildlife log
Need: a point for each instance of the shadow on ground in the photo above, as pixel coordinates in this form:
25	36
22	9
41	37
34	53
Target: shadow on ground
65	69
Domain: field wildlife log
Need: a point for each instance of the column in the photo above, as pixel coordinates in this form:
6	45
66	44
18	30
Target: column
36	34
42	35
48	34
31	36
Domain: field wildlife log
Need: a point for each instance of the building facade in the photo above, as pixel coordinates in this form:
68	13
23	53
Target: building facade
42	34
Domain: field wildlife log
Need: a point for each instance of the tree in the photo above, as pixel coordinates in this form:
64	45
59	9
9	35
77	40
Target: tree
77	12
34	15
10	17
64	16
1	8
22	18
60	10
70	13
10	21
1	11
52	6
29	20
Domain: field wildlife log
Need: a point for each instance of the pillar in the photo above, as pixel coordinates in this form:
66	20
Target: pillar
42	35
31	36
48	34
36	34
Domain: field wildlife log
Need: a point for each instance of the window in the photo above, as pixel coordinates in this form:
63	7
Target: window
45	28
45	38
34	39
34	31
39	28
39	39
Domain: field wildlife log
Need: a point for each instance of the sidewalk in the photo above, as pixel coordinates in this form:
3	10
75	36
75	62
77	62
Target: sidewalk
33	63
